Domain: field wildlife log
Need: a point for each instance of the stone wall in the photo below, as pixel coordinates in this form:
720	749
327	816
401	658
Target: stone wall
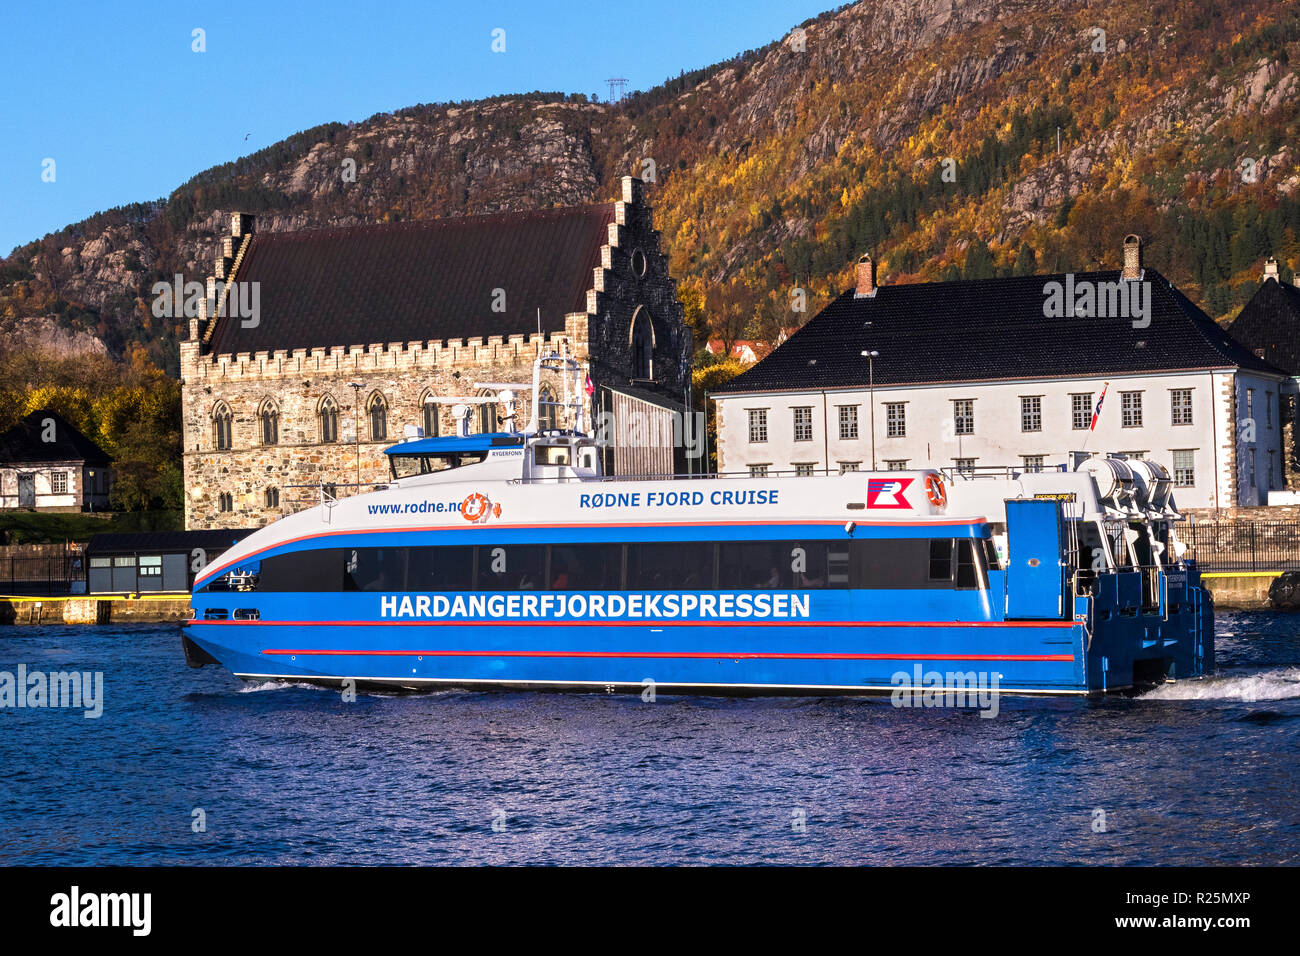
631	280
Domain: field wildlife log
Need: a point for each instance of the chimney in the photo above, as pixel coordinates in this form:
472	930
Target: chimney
866	277
1132	257
241	224
1270	269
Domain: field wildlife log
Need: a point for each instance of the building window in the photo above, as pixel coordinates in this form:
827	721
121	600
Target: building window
225	501
848	422
432	421
896	464
488	420
1033	462
1134	454
268	417
221	419
804	469
963	416
757	425
758	471
548	414
850	466
895	420
1269	481
1184	467
1031	413
643	344
965	466
803	424
1250	404
1130	404
329	419
273	497
329	491
377	412
1080	410
59	483
1180	406
1268	409
150	566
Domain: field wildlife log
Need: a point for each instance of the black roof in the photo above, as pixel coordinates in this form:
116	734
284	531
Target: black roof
990	330
1271	321
25	443
418	281
211	541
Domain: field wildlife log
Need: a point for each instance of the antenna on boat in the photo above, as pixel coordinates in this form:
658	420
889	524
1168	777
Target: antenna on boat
460	413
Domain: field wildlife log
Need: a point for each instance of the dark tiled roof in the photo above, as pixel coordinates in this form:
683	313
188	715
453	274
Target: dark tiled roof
989	330
415	281
1271	321
24	443
211	541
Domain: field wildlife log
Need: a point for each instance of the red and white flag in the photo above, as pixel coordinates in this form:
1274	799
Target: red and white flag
1096	412
589	388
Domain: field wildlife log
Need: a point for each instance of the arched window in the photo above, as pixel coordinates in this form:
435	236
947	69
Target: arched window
268	417
329	419
430	412
643	344
548	415
377	409
221	419
273	497
225	502
487	413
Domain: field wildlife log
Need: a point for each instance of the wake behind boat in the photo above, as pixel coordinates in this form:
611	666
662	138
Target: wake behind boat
510	560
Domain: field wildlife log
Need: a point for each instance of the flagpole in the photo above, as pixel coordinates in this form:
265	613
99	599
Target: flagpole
1096	416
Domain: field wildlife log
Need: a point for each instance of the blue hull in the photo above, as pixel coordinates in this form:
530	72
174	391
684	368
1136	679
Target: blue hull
836	649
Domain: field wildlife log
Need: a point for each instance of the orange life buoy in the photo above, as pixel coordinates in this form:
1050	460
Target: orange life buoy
935	491
475	507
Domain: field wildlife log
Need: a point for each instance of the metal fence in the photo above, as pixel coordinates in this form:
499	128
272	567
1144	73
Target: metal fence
1243	545
45	575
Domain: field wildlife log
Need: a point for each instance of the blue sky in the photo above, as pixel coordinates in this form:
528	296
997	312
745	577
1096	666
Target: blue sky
114	94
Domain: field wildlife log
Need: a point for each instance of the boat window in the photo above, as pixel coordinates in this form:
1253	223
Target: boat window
941	559
968	574
666	565
552	455
439	569
511	567
404	466
317	571
374	569
587	567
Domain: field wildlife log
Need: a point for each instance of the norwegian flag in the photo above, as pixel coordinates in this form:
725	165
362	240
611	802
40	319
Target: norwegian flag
589	388
1096	412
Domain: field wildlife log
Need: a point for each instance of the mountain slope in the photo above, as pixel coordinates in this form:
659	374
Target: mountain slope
924	131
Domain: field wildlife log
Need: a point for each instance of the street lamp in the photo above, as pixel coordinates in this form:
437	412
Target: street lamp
356	425
871	357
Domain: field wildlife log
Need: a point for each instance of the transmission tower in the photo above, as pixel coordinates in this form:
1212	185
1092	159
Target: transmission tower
617	87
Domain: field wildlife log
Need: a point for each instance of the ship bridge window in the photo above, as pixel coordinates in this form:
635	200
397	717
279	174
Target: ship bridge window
513	567
404	466
552	455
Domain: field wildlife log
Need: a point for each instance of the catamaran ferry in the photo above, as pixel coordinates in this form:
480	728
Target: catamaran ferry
510	560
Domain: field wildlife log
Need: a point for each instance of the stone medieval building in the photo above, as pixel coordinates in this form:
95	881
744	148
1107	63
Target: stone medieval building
359	336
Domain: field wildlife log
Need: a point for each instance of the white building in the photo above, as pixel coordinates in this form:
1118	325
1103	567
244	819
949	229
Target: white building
47	465
1008	372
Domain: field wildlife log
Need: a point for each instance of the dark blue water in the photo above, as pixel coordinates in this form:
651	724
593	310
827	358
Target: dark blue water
1194	773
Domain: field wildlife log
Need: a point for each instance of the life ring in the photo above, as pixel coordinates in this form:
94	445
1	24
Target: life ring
475	507
935	491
